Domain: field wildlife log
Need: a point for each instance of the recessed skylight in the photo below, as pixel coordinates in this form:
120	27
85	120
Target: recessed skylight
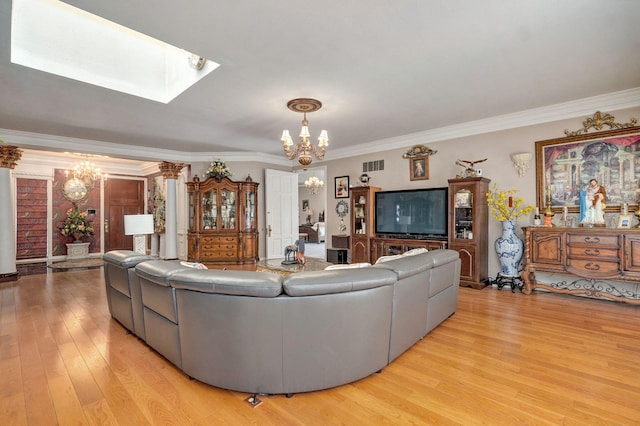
60	39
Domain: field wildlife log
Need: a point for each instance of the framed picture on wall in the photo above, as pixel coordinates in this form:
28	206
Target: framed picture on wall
565	165
419	168
305	205
342	186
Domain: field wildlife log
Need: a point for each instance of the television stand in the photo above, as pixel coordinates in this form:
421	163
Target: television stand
385	246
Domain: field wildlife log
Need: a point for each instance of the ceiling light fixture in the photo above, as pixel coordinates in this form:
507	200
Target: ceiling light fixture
86	171
304	148
313	184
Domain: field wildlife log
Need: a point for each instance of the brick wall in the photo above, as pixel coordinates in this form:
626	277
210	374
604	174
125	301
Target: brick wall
31	218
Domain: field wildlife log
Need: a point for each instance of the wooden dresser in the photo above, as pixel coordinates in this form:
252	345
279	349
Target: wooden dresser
592	254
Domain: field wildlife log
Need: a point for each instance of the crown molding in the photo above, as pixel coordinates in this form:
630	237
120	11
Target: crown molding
566	110
52	143
579	108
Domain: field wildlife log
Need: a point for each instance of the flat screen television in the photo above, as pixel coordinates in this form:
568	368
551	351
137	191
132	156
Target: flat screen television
417	213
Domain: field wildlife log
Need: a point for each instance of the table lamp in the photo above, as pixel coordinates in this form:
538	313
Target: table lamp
138	225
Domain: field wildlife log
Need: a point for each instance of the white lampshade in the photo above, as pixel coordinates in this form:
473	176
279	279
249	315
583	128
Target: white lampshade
138	224
304	132
323	139
286	138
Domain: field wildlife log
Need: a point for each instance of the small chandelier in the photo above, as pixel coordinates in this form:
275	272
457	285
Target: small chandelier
313	184
304	148
86	171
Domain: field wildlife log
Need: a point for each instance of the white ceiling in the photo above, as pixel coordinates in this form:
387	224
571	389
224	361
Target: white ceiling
383	69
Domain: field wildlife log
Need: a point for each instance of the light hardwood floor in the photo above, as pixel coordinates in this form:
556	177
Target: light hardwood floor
503	359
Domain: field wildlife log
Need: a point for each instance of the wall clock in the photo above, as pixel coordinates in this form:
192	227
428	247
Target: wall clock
342	208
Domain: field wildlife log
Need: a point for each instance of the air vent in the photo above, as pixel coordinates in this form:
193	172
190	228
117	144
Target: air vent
373	166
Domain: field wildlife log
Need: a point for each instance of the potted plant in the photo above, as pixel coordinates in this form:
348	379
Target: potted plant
76	224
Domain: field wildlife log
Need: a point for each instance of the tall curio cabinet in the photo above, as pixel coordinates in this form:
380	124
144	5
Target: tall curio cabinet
468	228
362	226
223	221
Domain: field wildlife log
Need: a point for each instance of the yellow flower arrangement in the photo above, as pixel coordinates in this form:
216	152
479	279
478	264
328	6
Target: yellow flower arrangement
504	206
76	223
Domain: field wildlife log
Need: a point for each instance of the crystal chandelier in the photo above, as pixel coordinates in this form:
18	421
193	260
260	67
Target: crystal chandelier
304	148
86	171
313	184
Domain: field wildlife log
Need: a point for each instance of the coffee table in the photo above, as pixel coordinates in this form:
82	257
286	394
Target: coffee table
275	266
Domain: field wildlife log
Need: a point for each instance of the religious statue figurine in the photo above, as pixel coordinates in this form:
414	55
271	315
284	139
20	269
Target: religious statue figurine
593	199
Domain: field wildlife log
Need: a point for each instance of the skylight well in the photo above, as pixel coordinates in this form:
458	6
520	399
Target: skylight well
52	36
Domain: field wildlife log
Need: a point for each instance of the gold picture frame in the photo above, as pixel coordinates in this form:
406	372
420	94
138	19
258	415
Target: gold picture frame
565	165
419	168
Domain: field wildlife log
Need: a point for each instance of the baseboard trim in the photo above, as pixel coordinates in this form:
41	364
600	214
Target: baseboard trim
13	276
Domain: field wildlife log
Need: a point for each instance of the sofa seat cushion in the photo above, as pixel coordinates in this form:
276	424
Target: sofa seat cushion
238	283
336	281
125	258
159	271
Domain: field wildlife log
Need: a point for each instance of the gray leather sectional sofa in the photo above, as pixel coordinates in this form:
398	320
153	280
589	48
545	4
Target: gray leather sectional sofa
259	332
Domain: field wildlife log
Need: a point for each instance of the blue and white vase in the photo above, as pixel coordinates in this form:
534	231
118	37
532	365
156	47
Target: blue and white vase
510	249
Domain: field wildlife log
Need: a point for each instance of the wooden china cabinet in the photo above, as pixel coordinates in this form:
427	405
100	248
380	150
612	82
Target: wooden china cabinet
362	226
468	228
223	221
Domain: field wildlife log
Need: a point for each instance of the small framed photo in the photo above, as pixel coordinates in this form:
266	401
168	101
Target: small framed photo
342	186
624	221
305	205
463	199
419	168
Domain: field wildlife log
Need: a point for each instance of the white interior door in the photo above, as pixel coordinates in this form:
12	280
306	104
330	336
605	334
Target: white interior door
281	204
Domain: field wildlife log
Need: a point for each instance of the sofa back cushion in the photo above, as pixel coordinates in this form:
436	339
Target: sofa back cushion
239	283
125	258
336	281
406	266
159	271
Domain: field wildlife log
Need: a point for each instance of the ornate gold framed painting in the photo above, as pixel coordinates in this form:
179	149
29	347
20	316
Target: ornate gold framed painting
565	165
419	168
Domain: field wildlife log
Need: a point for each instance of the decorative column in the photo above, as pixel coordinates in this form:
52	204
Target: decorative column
9	156
170	172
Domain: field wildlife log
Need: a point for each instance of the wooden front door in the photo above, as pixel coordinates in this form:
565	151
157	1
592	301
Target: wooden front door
121	196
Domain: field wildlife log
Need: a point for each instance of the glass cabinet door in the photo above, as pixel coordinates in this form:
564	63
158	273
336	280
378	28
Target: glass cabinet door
359	214
192	212
209	210
250	213
463	214
228	209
